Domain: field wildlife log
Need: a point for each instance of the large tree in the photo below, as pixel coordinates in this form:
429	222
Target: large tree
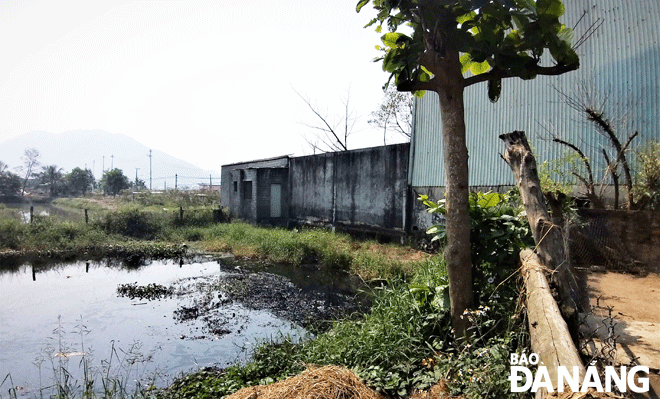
492	39
394	114
80	180
10	184
51	176
113	181
30	160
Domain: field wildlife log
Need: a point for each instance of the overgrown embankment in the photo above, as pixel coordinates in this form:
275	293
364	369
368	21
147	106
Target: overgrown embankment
162	228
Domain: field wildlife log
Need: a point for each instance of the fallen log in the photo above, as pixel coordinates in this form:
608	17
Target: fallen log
549	334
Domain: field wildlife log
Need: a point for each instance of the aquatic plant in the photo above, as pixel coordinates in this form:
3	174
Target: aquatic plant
149	292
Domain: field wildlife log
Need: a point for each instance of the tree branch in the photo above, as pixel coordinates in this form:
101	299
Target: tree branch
590	183
501	74
330	129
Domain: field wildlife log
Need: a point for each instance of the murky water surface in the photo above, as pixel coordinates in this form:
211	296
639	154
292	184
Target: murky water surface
74	309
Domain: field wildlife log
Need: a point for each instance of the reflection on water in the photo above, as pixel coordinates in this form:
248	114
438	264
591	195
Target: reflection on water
70	312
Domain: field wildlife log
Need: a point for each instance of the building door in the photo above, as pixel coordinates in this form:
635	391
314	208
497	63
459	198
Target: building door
275	200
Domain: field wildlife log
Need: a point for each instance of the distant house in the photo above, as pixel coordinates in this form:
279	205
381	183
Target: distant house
619	63
364	190
257	191
212	187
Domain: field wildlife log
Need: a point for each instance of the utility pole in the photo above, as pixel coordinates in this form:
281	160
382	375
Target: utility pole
210	183
136	179
112	161
103	164
176	181
150	170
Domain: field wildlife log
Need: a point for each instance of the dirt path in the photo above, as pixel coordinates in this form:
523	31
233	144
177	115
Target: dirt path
636	311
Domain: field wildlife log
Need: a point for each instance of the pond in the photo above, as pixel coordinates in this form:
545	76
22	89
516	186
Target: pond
211	313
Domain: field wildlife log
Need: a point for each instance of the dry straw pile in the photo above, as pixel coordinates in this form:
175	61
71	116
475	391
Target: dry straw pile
329	382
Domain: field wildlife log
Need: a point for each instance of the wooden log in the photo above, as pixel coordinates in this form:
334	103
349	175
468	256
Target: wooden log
549	334
547	235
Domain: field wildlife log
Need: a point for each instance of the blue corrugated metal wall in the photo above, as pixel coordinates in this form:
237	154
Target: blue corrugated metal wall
619	62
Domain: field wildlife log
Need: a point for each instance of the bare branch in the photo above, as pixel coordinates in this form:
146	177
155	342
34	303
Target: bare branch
589	184
332	138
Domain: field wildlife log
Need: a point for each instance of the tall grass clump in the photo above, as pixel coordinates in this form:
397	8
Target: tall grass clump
309	245
131	222
11	234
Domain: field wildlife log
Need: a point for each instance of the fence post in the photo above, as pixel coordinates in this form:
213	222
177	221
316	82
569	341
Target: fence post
86	217
181	213
31	213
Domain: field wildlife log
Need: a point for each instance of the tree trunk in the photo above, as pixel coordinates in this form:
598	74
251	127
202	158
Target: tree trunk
457	251
548	332
547	235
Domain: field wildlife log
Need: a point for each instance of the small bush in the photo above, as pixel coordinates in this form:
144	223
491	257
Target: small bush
11	233
131	222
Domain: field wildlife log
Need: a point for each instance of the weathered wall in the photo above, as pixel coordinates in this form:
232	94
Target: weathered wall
233	195
265	178
365	187
635	232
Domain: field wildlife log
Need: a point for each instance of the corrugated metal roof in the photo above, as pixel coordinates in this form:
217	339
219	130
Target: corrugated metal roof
619	63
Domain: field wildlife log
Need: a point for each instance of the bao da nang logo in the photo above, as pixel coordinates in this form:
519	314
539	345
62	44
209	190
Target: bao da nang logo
622	377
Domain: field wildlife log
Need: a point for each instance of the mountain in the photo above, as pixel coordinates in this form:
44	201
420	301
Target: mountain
80	148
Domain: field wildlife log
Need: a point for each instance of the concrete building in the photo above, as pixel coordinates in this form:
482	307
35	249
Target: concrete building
257	191
363	190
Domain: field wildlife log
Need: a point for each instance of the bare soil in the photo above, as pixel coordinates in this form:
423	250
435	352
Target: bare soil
633	297
635	306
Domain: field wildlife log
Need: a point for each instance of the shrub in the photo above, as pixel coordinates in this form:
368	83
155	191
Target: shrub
647	189
11	232
130	222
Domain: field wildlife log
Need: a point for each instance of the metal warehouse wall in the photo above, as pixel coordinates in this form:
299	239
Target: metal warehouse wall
619	63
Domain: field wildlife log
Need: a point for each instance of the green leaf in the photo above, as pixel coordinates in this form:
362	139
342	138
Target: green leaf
361	4
566	34
373	21
465	60
478	68
390	39
461	19
553	8
489	200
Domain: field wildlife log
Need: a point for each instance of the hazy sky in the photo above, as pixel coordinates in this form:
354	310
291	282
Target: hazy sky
211	82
